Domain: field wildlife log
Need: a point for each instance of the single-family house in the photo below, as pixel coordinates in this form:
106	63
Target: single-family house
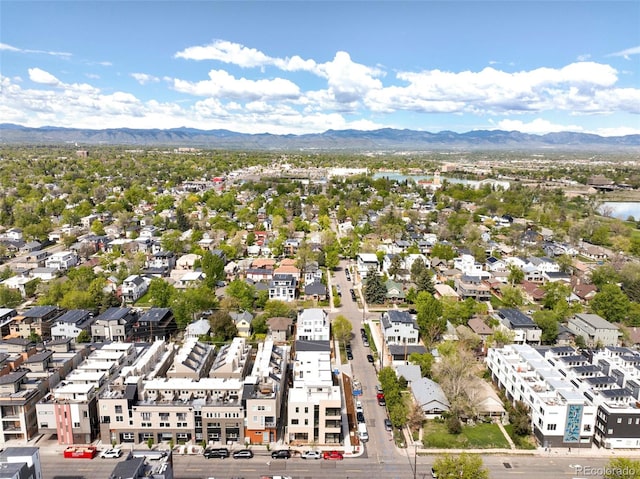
242	320
472	287
133	288
71	324
366	262
315	291
283	287
153	324
525	330
399	327
280	328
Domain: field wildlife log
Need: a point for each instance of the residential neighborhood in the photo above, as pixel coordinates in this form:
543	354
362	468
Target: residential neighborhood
216	317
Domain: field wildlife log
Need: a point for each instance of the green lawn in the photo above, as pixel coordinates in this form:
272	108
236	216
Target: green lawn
480	436
520	441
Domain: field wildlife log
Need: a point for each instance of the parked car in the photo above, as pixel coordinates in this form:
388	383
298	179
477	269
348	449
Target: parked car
379	389
387	425
243	454
111	453
311	455
369	358
434	474
281	454
216	452
333	455
360	416
349	355
365	342
353	295
359	407
363	332
339	290
381	401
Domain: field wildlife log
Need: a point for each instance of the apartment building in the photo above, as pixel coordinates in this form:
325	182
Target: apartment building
561	415
264	392
193	360
115	324
38	320
154	323
313	325
595	330
70	410
72	323
315	401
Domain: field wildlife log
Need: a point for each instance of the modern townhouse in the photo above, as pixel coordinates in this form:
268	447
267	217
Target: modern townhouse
595	330
21	463
472	287
525	330
313	325
561	415
263	393
115	324
192	361
283	287
38	320
70	409
366	262
133	288
233	360
62	260
315	401
71	323
153	324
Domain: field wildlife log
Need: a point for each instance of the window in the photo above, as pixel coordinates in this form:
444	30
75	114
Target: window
182	416
119	419
118	409
44	424
619	421
85	414
295	422
306	410
145	424
551	427
76	424
164	416
146	416
297	409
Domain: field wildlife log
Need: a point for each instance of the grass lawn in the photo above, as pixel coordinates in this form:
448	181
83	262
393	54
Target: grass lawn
519	441
480	436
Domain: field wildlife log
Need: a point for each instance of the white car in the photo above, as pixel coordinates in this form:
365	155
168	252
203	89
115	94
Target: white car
359	407
311	455
111	453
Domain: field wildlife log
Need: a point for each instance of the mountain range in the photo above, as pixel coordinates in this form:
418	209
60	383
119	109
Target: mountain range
337	140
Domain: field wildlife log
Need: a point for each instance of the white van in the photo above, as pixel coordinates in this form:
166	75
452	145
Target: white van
362	432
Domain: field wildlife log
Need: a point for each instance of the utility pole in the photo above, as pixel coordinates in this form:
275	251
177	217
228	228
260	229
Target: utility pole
415	460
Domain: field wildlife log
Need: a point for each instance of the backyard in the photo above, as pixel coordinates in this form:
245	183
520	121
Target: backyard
480	436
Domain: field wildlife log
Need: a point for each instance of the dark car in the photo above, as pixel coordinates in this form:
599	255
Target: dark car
281	454
219	452
360	417
349	355
363	332
353	295
243	454
369	358
381	401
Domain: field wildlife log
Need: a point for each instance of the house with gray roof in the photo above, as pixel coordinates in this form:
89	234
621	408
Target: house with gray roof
594	329
72	323
430	396
399	327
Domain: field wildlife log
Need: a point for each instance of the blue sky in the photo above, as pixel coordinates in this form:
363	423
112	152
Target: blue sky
301	67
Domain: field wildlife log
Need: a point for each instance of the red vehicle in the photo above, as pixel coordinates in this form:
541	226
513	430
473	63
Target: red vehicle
332	455
80	452
380	396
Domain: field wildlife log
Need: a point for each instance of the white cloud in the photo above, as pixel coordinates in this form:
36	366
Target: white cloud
92	76
226	52
626	54
349	81
584	57
538	126
144	78
618	131
11	48
223	85
40	76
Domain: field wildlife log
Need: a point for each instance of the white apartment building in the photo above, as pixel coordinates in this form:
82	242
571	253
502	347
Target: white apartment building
561	416
315	400
313	325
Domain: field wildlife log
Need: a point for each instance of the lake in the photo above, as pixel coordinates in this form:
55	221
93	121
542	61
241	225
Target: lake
394	175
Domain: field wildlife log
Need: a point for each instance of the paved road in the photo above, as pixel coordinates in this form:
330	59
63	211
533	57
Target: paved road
197	467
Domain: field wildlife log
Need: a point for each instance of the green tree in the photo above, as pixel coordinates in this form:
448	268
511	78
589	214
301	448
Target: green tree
463	466
622	468
76	299
605	274
396	266
276	308
160	293
424	360
512	296
516	275
97	228
10	298
443	251
341	328
548	323
213	268
243	292
375	291
259	325
554	292
429	317
611	303
83	337
222	326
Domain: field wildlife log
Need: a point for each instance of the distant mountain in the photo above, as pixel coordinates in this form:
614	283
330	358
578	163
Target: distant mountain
346	140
